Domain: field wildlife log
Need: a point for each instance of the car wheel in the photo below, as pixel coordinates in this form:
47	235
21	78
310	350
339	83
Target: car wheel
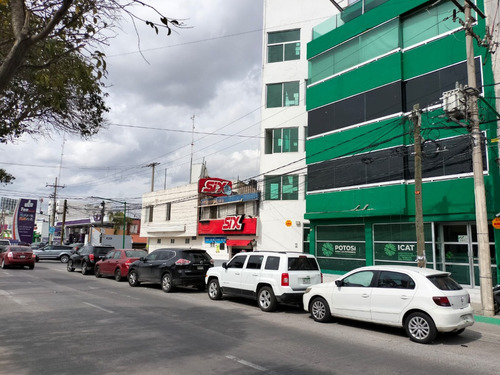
420	328
85	269
133	280
69	266
118	275
266	299
4	266
37	259
320	311
166	283
64	259
214	291
97	272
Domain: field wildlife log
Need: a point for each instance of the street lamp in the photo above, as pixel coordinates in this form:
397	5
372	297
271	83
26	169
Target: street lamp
124	215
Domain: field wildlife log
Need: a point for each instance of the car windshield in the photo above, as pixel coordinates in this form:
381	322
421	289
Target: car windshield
444	282
302	263
135	253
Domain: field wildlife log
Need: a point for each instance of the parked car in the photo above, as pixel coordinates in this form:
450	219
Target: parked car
422	300
117	262
14	255
171	268
4	242
76	246
37	245
270	277
54	252
86	257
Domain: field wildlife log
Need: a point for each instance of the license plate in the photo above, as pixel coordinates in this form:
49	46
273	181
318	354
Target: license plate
22	256
199	267
306	280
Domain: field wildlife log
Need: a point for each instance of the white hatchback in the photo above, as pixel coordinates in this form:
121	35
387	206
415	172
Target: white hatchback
422	300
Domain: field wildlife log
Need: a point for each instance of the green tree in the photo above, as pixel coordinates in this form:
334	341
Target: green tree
117	219
51	66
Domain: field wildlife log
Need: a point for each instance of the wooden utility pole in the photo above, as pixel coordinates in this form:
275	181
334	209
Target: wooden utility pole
152	165
63	220
419	215
53	213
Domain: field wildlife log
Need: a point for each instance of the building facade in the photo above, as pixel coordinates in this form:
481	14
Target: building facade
368	67
287	30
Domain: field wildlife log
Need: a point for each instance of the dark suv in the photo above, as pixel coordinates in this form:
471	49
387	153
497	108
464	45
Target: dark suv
86	257
171	267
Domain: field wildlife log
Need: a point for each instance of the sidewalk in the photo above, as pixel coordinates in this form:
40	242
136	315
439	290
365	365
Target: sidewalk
475	301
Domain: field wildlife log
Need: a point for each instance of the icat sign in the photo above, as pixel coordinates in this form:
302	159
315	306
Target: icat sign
214	186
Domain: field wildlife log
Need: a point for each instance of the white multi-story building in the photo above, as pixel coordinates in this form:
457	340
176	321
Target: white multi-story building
287	30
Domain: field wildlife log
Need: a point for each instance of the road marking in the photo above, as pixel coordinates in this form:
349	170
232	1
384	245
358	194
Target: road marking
98	307
246	363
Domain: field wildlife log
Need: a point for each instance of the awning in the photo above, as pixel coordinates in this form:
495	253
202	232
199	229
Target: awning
238	242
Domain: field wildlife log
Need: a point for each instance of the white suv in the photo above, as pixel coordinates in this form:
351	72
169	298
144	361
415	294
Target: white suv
269	277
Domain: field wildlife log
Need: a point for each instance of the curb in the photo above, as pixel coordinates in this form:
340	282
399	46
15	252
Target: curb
487	319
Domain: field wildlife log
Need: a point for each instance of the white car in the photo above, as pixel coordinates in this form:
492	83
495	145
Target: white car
269	277
422	300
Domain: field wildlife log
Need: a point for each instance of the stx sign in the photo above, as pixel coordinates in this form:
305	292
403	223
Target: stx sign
214	186
233	223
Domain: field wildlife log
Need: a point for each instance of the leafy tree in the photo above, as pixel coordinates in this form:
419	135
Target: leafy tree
5	178
117	219
51	66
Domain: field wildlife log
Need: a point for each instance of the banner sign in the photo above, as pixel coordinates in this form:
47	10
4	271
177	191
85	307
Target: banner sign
24	220
230	225
214	186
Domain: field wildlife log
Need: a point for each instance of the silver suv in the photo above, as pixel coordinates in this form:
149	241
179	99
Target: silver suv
270	277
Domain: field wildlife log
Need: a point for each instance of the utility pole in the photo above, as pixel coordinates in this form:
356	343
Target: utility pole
472	93
53	214
152	165
103	207
419	215
63	220
192	147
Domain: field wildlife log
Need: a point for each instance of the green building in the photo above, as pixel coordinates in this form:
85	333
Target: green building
368	67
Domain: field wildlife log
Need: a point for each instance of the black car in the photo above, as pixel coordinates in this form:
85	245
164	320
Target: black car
171	268
86	257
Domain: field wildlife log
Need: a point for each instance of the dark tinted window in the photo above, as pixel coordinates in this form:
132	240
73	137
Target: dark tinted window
272	263
102	250
166	255
237	262
85	250
397	280
20	249
199	257
153	256
302	263
255	262
135	253
444	282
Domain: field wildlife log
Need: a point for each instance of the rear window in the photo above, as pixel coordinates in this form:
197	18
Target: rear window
20	249
103	250
444	282
135	253
200	257
302	264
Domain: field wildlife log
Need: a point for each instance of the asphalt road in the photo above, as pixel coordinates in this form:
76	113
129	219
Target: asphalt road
56	322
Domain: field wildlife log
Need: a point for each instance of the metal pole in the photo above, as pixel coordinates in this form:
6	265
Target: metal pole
124	222
477	164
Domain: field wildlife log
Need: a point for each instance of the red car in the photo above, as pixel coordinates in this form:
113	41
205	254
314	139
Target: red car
15	255
117	262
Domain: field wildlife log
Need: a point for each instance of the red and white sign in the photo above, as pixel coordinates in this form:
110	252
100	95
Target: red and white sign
233	223
213	186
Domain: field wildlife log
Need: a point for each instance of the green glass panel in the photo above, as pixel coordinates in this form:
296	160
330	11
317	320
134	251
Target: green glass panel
269	141
338	249
291	94
294	139
455	253
274	95
402	252
340	264
290	188
340	233
400	232
461	274
286	140
379	41
283	36
346	55
273	187
321	67
292	51
275	53
276	140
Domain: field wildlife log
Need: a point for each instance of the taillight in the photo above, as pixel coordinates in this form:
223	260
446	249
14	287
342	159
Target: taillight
285	280
10	255
91	257
182	262
441	301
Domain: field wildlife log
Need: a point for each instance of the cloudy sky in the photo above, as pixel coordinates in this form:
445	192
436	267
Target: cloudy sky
207	75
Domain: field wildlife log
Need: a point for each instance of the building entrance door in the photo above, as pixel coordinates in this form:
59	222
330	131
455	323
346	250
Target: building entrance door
458	252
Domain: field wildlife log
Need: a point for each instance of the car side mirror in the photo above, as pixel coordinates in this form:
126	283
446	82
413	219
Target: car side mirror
224	265
339	283
142	259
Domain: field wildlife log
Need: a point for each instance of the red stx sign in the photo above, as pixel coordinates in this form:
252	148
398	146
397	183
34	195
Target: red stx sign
214	186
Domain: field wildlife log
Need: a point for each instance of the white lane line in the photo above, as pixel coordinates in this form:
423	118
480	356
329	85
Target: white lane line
246	363
98	307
